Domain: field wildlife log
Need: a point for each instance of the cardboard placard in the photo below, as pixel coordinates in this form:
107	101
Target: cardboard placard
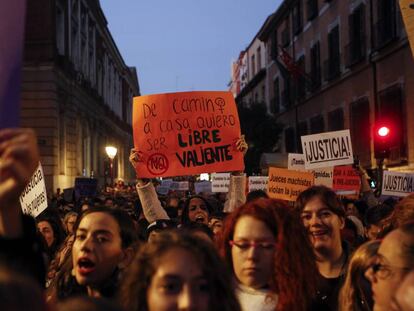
258	183
397	184
85	187
346	180
286	184
34	197
323	176
12	24
327	149
296	161
186	133
202	186
220	182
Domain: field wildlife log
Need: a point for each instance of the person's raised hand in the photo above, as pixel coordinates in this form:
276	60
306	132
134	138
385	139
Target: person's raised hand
19	158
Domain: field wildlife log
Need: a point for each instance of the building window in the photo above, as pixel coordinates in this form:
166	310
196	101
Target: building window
290	140
315	65
391	108
360	130
259	59
332	65
286	94
336	120
263	94
355	50
302	131
253	62
297	17
317	125
301	81
62	144
385	28
275	104
60	30
286	34
312	9
274	46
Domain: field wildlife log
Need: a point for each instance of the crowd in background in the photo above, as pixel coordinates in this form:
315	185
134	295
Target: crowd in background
129	248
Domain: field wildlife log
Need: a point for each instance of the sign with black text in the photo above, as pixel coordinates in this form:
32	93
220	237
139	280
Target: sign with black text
220	182
397	184
34	197
327	149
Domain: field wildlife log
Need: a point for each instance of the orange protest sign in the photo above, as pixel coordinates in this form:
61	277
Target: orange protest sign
286	184
407	12
186	133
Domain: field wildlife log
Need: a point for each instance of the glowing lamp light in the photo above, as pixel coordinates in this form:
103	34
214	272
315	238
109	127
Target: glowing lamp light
111	152
383	131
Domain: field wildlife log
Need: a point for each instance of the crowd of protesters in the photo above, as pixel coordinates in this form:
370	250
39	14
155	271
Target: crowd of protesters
129	248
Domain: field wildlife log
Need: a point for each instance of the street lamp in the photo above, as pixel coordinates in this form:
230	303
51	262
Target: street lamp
111	152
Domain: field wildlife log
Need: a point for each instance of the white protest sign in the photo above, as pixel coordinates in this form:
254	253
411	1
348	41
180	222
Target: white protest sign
323	176
296	161
34	198
202	186
220	182
258	183
179	185
327	149
397	184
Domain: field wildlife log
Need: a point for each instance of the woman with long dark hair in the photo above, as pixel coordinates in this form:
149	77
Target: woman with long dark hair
104	246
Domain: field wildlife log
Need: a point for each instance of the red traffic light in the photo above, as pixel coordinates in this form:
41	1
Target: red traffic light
383	131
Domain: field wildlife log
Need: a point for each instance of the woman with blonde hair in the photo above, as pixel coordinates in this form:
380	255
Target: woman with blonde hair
355	294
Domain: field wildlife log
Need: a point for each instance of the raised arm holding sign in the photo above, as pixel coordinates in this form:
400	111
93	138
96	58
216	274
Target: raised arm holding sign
186	134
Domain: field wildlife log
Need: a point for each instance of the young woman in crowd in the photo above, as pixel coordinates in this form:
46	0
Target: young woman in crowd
102	249
356	294
51	230
69	222
177	271
267	248
394	260
323	216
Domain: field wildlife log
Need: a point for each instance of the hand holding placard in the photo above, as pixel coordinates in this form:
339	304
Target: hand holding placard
186	134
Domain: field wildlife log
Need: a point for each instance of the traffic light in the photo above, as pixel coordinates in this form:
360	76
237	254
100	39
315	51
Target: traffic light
384	139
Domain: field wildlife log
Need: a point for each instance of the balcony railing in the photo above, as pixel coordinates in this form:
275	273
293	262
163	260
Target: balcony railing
332	68
355	51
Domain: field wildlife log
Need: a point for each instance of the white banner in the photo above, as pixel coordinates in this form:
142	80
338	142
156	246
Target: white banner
258	183
220	182
397	184
202	186
327	149
34	198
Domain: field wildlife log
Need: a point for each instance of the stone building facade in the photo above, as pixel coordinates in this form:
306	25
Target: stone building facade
76	91
356	68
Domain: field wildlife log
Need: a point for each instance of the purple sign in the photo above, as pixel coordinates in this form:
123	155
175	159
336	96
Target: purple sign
12	23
